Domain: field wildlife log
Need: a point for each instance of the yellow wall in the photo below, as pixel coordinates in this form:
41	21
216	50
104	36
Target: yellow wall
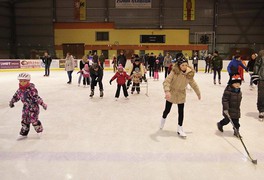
124	37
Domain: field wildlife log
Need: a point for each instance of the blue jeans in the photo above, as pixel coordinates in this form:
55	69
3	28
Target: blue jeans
69	76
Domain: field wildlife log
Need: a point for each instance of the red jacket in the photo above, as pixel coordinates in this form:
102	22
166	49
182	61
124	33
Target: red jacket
120	77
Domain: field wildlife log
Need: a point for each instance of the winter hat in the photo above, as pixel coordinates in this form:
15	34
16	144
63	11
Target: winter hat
120	66
157	60
95	66
24	76
181	60
236	79
137	59
179	55
86	67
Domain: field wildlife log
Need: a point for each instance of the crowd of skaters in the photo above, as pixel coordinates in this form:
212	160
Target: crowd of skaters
178	74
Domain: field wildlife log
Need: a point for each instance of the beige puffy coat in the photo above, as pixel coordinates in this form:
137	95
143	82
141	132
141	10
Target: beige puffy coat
176	83
69	63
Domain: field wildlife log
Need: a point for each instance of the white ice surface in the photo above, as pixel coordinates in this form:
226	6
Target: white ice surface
105	139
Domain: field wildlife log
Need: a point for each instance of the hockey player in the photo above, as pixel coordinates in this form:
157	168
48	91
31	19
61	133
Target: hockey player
231	101
28	94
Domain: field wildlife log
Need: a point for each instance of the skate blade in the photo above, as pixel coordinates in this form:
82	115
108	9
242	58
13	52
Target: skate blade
19	138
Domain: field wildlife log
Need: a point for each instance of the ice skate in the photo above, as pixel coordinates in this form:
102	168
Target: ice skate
116	99
92	93
101	93
20	137
214	81
126	98
220	127
219	81
132	92
237	134
261	116
181	132
162	122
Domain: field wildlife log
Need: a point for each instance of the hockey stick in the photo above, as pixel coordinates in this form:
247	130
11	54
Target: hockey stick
254	161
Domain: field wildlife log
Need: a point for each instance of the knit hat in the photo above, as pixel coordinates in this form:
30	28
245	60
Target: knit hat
120	66
236	79
24	76
181	60
157	60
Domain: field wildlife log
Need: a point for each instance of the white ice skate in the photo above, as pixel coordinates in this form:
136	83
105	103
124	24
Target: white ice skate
162	122
181	132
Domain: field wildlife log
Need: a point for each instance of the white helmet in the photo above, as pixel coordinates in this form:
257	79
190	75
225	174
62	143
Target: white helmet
24	76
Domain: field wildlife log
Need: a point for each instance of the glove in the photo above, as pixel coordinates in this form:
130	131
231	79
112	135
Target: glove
226	113
255	78
11	105
44	106
110	82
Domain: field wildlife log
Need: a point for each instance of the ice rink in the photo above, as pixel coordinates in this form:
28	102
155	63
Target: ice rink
104	139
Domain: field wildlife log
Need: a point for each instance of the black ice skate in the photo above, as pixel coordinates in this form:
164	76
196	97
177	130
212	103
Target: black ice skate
101	93
92	93
261	116
220	127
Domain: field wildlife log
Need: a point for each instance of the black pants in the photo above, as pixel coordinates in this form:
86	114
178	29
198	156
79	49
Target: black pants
47	69
225	121
94	83
118	90
135	86
219	73
166	71
86	80
260	103
70	76
207	68
195	67
180	112
151	71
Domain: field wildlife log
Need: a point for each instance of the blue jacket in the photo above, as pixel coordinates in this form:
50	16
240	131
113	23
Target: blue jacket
232	67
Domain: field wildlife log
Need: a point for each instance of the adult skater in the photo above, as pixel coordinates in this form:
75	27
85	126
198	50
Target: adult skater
217	66
175	90
28	94
69	66
231	101
250	67
96	74
258	79
46	59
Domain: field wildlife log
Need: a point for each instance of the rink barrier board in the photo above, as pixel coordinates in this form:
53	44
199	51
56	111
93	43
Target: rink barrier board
9	65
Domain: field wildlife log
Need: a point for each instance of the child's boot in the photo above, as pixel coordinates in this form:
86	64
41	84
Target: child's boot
180	131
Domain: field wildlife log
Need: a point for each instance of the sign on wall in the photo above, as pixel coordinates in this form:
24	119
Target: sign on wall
80	9
9	64
188	10
133	4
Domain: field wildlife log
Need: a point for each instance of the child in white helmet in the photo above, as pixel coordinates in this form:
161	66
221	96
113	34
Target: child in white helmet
28	94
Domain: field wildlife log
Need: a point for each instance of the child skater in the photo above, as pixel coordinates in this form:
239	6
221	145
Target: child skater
175	91
231	101
86	75
28	94
82	64
156	70
121	76
136	78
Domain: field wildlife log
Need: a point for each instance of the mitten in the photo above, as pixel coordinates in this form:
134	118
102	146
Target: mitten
11	104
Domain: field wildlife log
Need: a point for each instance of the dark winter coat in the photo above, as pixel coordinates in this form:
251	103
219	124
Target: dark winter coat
96	75
151	61
217	63
259	65
46	60
231	101
121	59
251	64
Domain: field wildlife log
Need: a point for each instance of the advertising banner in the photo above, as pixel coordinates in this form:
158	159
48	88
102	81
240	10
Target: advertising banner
30	63
188	10
80	9
133	4
9	64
